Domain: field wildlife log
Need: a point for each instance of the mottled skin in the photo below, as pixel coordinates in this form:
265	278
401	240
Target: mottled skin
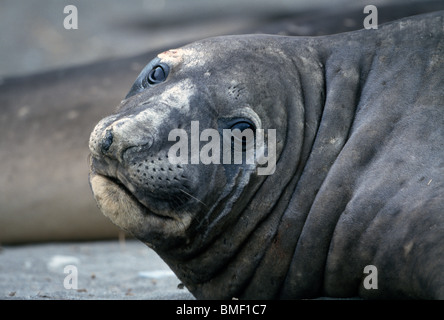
359	177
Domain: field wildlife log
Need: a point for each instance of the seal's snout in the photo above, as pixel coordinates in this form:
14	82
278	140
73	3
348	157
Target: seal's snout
113	138
106	142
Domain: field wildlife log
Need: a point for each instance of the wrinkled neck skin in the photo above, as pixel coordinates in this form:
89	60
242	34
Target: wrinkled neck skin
247	253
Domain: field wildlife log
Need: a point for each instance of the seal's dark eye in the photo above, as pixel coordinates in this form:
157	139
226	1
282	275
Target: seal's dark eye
242	125
243	134
157	74
154	73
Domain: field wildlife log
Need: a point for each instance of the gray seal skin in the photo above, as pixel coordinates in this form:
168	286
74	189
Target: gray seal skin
359	178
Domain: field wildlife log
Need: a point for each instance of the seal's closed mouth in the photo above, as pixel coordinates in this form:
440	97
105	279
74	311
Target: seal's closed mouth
122	187
127	212
111	189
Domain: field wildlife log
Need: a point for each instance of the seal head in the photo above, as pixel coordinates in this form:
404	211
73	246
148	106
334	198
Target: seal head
132	176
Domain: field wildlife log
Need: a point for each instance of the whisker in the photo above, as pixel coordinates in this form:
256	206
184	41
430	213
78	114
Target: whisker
193	197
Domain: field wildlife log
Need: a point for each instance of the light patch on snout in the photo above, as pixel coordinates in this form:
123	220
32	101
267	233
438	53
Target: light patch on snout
134	129
178	95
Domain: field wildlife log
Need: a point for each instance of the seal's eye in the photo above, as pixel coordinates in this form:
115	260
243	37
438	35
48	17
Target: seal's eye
243	134
242	125
157	75
154	73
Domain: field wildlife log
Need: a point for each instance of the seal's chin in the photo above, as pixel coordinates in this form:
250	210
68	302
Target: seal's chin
123	209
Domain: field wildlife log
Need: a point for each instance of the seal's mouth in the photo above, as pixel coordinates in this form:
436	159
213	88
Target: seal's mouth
157	198
118	185
117	203
121	206
107	188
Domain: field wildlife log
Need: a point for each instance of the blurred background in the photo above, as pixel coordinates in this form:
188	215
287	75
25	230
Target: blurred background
33	38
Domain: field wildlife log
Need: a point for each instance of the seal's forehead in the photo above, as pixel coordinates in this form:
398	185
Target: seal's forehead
187	56
173	56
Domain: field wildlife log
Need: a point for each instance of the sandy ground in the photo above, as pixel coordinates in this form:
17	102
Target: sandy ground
105	270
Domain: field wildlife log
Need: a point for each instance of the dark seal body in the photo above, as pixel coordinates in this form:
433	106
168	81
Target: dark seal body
359	178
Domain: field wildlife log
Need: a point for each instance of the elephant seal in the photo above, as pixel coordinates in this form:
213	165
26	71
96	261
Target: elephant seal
359	176
43	154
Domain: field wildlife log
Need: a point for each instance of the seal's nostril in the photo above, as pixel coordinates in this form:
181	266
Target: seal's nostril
107	141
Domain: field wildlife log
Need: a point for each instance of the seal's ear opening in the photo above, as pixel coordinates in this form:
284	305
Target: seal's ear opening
154	73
